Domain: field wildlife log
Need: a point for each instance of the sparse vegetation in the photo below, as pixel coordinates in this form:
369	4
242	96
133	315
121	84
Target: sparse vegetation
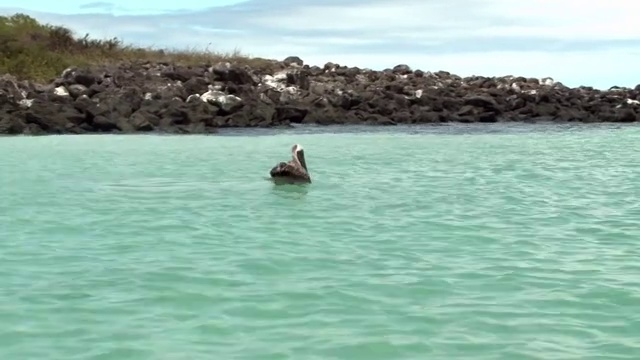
35	51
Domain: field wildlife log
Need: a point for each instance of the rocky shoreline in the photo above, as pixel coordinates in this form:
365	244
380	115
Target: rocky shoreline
161	97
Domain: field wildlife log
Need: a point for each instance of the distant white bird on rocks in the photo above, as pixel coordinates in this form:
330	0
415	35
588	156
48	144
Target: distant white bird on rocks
294	171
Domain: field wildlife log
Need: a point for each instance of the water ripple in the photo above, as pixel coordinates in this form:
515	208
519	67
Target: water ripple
484	244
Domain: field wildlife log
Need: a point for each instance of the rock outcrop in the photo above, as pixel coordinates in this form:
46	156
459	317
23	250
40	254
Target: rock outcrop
150	97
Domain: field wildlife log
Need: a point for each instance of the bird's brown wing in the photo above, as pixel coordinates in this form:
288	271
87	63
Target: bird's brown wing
288	170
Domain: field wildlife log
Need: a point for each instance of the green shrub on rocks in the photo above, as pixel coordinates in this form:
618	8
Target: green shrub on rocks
35	51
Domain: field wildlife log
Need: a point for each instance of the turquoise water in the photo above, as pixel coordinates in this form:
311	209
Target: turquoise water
436	243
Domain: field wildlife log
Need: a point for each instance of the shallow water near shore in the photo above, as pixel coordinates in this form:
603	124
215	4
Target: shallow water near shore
440	242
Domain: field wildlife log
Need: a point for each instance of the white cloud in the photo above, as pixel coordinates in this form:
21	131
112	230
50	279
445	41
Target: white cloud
117	7
377	16
559	19
329	40
567	19
577	42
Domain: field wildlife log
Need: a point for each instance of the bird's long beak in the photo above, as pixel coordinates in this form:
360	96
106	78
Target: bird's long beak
301	159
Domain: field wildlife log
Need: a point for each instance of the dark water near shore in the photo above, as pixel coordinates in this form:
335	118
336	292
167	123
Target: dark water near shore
503	241
442	129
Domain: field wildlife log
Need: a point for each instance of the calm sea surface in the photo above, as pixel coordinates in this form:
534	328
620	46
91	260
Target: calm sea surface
477	242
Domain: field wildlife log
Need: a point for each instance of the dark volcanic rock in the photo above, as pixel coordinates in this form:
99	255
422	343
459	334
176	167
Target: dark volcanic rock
148	97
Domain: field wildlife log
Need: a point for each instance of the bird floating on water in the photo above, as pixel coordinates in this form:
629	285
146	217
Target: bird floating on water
294	171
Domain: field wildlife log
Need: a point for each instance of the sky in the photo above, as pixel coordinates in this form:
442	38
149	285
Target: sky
588	42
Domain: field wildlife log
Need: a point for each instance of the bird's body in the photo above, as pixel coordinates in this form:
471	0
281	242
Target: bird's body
294	171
